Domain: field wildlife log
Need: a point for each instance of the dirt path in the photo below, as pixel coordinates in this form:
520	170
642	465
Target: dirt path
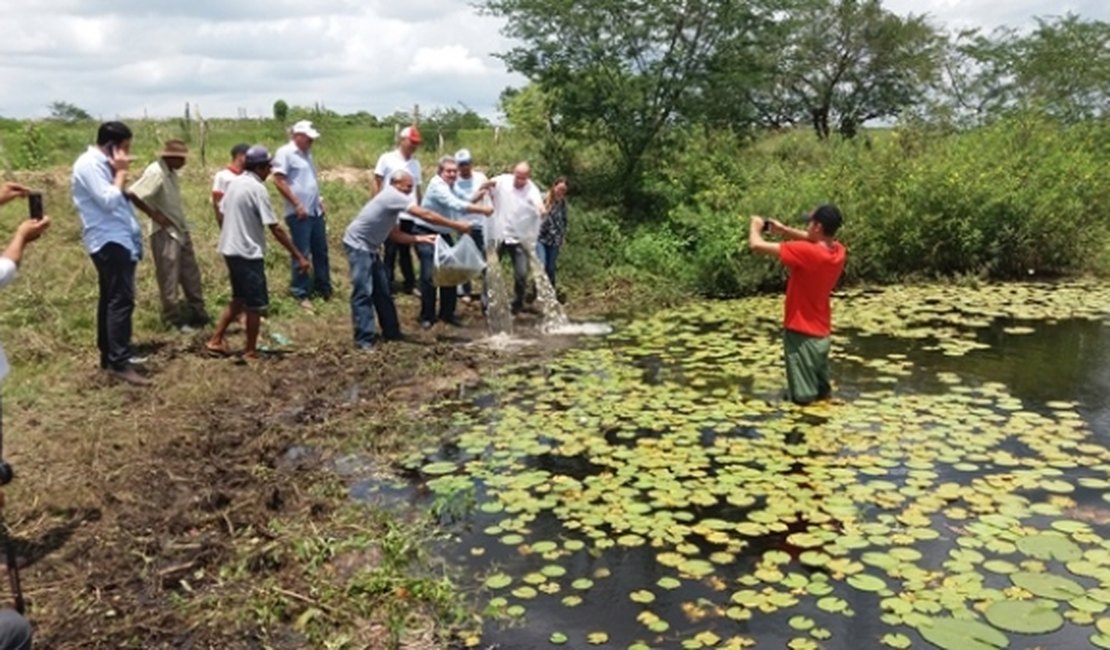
177	517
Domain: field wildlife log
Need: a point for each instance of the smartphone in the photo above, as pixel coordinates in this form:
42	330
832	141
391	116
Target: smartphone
34	204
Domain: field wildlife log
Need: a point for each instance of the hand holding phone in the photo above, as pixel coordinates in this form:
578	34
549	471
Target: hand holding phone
34	205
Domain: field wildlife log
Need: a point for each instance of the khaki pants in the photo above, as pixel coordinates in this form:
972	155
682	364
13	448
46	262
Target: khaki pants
175	264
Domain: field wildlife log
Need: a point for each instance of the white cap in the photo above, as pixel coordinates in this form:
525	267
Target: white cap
305	127
463	157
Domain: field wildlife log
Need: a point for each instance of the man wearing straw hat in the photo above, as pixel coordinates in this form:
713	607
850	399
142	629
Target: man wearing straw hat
158	194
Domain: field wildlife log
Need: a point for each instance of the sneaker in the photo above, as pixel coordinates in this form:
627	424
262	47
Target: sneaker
186	329
426	324
129	375
453	322
137	360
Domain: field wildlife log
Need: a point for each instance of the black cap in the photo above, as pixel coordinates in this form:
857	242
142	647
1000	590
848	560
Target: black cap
829	217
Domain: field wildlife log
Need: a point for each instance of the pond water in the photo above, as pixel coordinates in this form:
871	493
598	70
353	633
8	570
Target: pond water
651	489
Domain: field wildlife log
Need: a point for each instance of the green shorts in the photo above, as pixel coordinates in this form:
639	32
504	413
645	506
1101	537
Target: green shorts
807	367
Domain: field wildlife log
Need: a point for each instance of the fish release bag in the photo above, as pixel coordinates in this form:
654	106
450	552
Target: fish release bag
458	264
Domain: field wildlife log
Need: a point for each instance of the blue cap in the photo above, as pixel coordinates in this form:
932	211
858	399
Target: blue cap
462	157
257	155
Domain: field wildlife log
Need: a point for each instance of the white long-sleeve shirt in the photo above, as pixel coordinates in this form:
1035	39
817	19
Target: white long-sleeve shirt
7	274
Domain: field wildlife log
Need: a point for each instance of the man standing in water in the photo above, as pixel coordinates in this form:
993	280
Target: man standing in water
815	260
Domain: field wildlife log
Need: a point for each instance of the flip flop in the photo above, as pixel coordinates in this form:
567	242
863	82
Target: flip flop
215	351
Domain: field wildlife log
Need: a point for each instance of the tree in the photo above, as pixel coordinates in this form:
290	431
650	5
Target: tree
67	112
452	120
845	62
1061	67
622	71
281	111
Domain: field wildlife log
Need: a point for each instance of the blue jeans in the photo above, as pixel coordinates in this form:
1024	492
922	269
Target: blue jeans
477	233
369	292
548	255
310	236
448	296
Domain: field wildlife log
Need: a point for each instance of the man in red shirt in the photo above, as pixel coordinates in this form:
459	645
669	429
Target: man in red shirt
815	260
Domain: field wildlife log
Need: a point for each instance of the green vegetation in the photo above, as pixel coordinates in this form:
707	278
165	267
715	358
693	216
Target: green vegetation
659	474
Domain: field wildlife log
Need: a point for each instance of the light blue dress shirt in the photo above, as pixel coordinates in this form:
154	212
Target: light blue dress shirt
106	213
300	172
440	198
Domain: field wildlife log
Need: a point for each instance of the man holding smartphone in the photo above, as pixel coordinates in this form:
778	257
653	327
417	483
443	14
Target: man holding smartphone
114	240
815	260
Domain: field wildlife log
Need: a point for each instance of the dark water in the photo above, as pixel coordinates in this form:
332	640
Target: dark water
1064	361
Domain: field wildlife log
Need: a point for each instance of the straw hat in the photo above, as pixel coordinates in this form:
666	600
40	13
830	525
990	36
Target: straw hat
174	149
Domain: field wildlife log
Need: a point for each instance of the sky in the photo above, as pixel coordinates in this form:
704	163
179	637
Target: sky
130	58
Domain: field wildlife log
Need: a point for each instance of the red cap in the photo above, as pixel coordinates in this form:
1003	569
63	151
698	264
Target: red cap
412	134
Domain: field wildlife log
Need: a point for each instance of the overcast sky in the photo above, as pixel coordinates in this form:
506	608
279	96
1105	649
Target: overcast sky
136	57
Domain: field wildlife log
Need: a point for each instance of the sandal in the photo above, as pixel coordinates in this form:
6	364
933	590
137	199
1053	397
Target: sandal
215	351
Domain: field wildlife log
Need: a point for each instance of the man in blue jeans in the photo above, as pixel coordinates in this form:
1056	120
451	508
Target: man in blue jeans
377	222
440	197
295	178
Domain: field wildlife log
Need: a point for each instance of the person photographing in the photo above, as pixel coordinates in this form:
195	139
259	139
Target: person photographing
815	260
15	631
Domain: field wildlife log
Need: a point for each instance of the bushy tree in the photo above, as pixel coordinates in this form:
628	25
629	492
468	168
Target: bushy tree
623	71
281	111
844	62
67	112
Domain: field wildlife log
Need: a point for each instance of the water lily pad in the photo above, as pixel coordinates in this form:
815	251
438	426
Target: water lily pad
1024	617
899	641
498	581
439	468
557	638
864	582
1049	546
1047	585
801	623
597	638
668	583
958	634
642	596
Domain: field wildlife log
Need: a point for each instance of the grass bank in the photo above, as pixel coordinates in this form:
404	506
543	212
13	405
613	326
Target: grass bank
212	509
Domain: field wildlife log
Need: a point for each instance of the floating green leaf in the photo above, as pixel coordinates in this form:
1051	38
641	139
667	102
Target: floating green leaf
1047	585
1024	617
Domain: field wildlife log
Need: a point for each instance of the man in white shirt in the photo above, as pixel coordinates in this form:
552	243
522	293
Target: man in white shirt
224	177
401	158
515	225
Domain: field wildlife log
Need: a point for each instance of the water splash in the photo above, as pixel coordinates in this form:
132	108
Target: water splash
499	317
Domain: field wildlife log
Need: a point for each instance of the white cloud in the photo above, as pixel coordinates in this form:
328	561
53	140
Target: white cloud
446	60
127	57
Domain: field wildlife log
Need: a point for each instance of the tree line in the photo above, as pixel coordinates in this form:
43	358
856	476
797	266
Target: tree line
631	72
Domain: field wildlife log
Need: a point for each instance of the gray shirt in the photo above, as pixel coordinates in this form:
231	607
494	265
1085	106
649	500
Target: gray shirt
377	219
247	212
299	171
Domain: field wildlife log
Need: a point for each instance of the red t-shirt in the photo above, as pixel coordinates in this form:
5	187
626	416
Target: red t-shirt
814	271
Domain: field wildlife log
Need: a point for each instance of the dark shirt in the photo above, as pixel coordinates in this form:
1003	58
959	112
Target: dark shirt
554	228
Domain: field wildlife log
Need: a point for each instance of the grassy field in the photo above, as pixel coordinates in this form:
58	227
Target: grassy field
176	514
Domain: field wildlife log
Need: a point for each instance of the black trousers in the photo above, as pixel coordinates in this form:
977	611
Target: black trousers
116	272
401	253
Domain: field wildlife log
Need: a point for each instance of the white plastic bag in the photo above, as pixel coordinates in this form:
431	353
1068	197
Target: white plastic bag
458	264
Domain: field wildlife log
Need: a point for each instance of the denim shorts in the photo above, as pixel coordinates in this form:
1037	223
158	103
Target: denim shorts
248	282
